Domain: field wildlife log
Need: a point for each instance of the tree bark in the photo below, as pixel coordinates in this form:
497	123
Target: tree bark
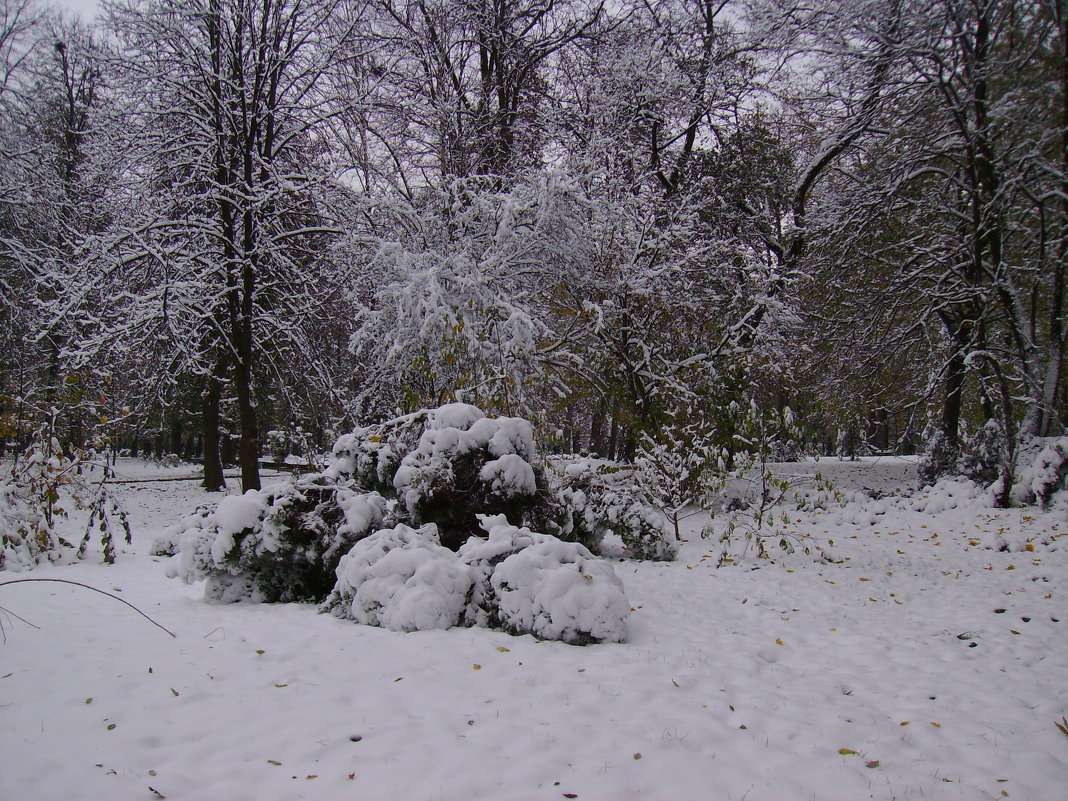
211	400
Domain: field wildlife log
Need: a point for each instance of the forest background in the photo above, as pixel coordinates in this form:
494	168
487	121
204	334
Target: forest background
236	227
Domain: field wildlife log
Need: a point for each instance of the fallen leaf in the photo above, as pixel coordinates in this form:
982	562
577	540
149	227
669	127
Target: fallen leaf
873	764
936	725
476	667
88	700
778	641
637	756
279	686
260	651
502	649
174	692
274	762
111	726
848	752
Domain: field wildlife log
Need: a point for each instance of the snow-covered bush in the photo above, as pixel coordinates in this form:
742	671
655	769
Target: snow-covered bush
457	475
515	579
26	538
370	455
402	579
281	543
44	481
558	590
940	458
598	500
448	465
983	452
483	555
1044	476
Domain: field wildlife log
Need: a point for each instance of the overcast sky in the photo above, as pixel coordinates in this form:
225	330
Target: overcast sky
87	8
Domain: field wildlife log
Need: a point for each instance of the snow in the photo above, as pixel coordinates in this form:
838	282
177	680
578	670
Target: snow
558	590
925	650
234	514
509	475
402	579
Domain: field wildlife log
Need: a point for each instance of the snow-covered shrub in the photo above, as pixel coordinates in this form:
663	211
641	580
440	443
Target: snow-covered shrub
462	468
371	455
558	590
454	473
671	470
515	579
1044	476
940	458
26	538
402	579
597	500
281	543
35	494
983	452
482	556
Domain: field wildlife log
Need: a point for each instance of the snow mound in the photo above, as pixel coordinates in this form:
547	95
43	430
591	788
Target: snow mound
949	494
402	579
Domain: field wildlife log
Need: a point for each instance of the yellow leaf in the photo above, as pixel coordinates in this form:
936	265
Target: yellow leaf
936	725
502	649
778	641
1029	547
847	752
476	667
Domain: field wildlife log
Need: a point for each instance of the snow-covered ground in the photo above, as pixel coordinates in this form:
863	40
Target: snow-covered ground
926	664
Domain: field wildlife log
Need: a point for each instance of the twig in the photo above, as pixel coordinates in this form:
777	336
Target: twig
6	611
94	589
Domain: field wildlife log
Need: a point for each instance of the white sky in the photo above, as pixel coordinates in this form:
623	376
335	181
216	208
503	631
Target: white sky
87	8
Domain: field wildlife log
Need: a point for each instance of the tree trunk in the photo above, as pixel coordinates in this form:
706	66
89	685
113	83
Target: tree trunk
211	400
248	453
953	399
